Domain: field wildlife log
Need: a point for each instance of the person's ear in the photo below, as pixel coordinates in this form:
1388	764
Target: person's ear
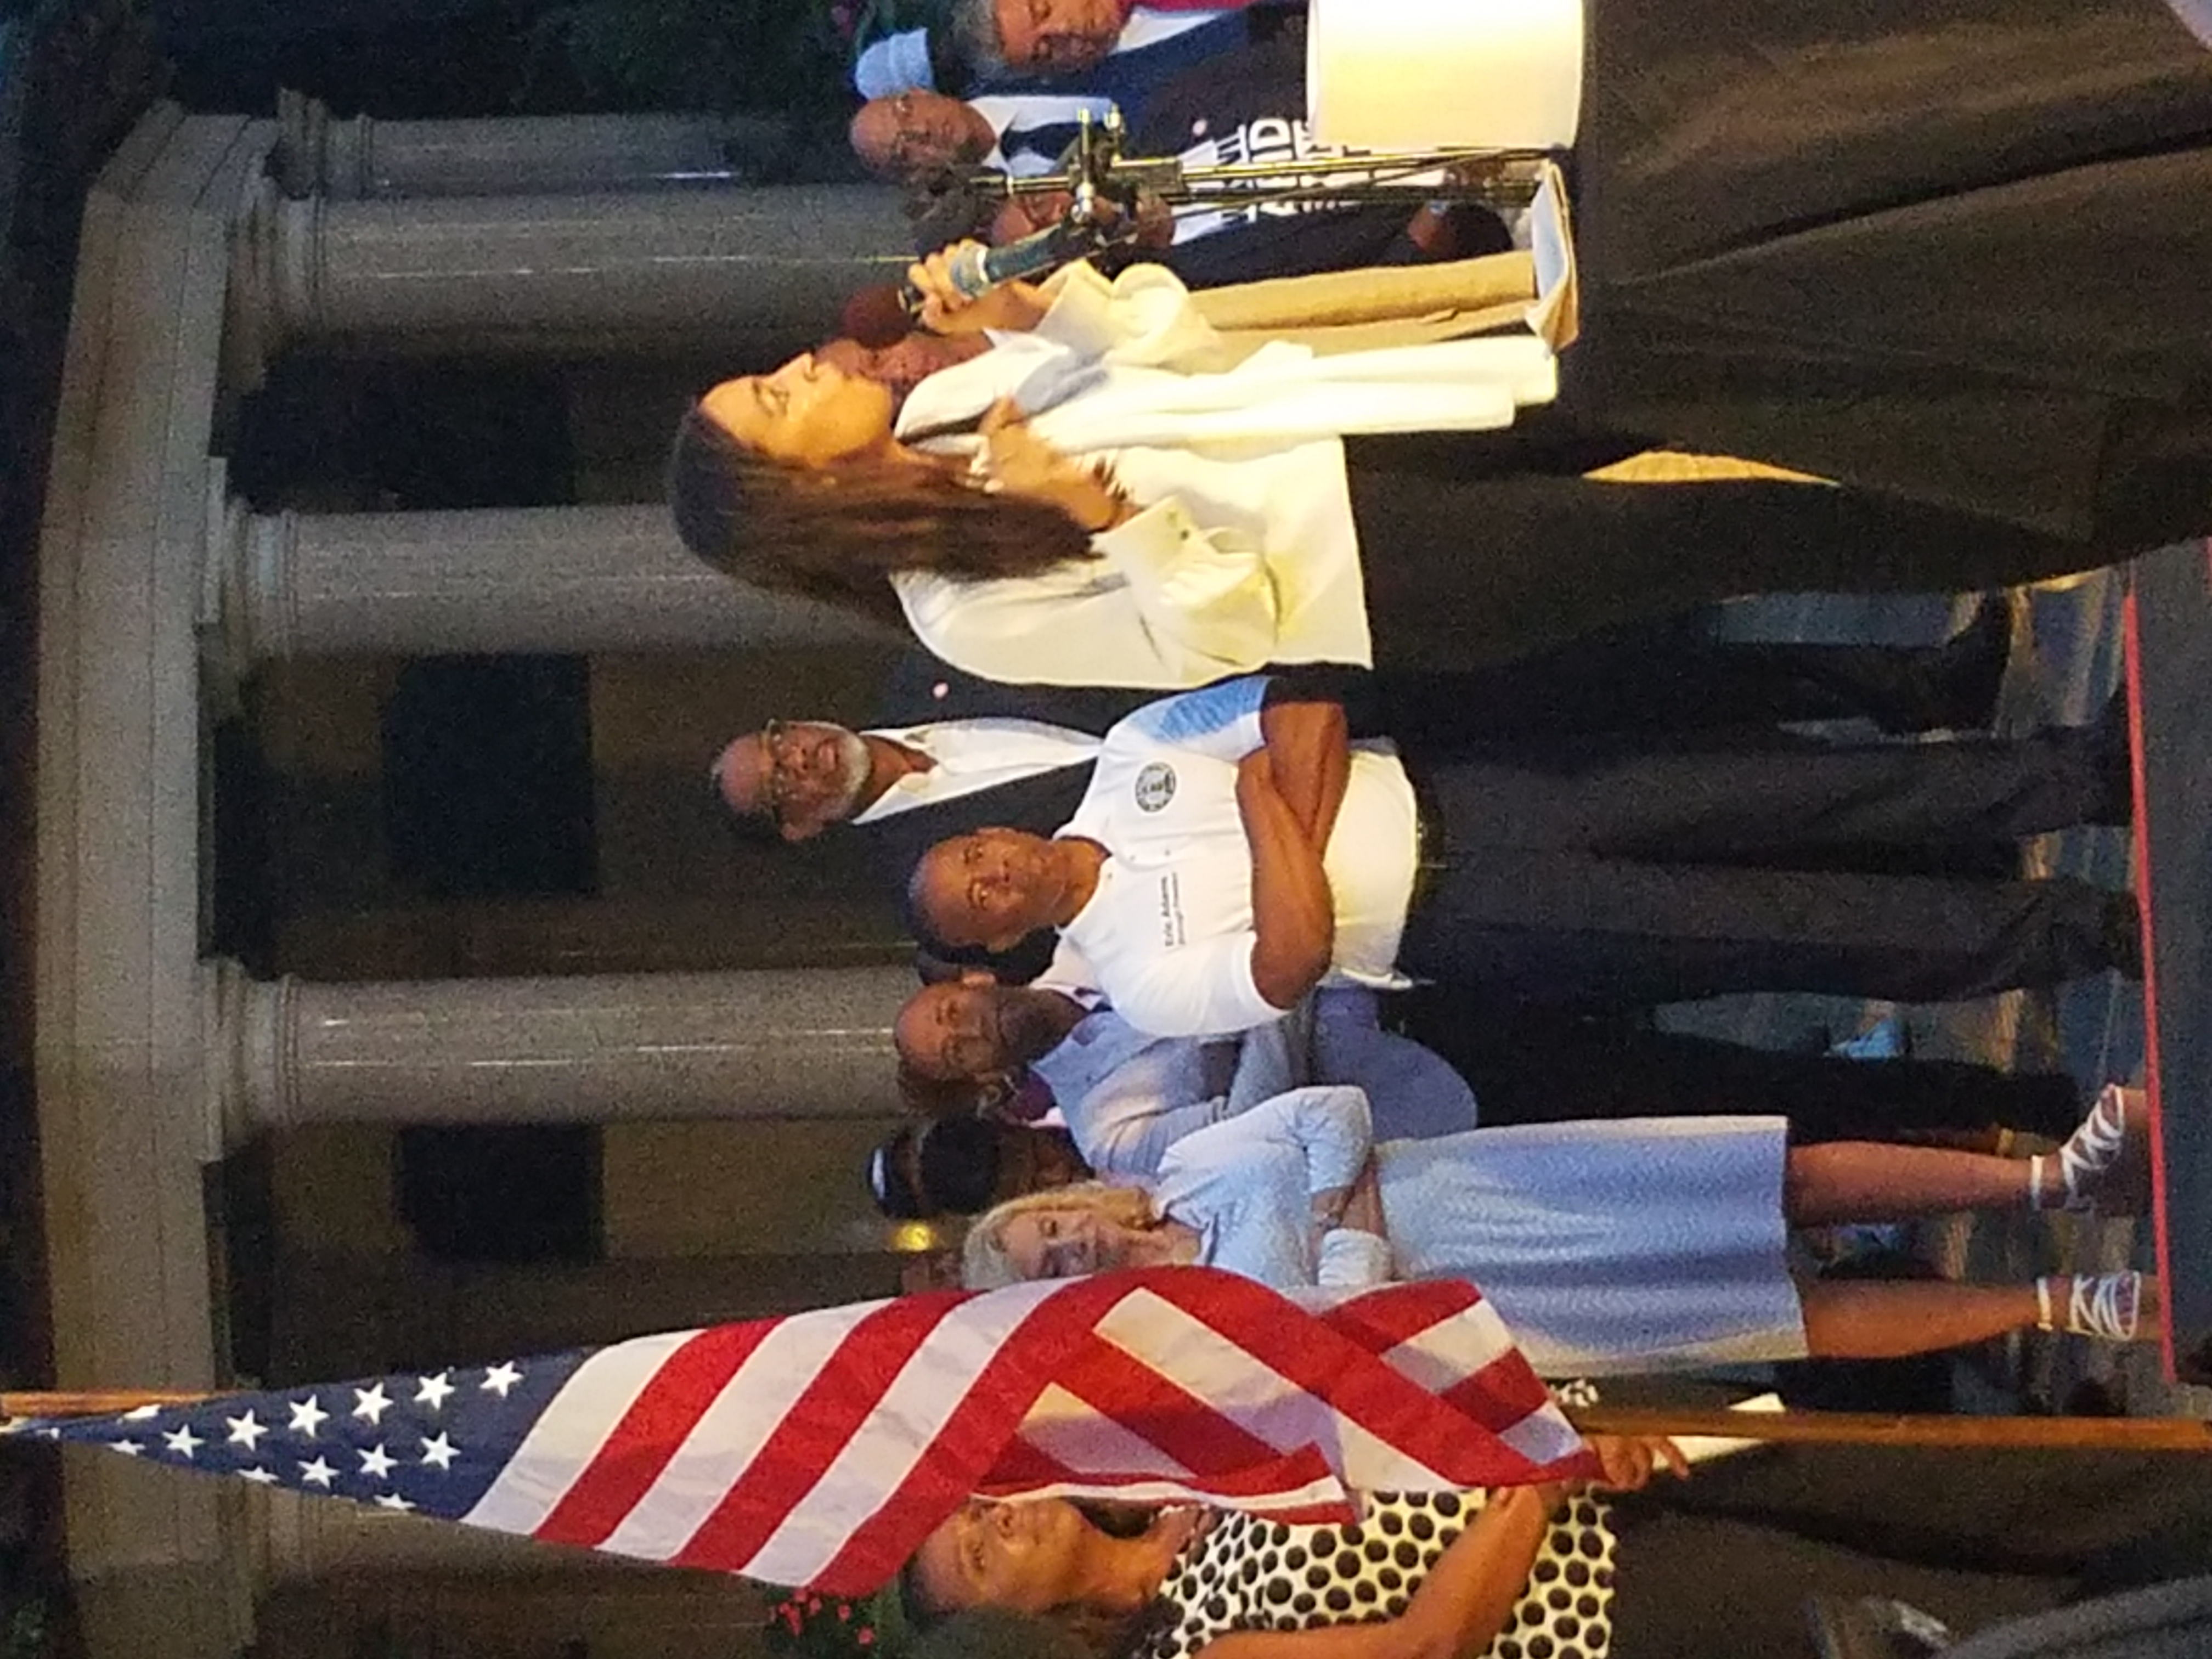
978	977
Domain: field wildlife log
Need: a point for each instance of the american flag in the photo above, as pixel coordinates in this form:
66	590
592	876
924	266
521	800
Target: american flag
819	1449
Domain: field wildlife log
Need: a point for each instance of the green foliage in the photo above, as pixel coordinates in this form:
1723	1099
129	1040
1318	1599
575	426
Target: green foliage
759	55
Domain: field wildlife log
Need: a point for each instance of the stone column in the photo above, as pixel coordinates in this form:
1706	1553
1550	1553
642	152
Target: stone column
350	158
613	931
350	1313
591	1049
525	579
550	272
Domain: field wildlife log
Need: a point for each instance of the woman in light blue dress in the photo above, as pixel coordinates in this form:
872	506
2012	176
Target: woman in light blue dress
1610	1248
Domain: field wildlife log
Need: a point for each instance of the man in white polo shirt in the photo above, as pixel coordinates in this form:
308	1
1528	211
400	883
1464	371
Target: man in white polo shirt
1169	923
1234	850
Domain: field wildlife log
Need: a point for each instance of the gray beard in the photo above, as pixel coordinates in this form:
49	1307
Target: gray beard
854	763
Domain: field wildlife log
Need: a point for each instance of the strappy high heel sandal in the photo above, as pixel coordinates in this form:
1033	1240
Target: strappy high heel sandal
2102	1166
2107	1307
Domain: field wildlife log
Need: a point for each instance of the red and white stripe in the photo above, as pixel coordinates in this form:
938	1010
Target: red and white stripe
819	1449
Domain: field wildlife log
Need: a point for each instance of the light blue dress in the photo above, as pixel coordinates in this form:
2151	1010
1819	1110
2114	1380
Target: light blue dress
1610	1248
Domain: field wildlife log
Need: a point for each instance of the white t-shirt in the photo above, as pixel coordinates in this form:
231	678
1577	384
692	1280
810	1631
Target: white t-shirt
1168	931
972	755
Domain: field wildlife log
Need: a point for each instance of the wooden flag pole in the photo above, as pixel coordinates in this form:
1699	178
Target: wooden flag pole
93	1402
2179	1434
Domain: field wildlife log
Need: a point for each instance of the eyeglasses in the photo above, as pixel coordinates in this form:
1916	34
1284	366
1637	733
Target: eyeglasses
780	769
907	146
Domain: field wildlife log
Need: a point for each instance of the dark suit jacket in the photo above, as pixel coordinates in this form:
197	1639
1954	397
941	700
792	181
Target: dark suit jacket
921	687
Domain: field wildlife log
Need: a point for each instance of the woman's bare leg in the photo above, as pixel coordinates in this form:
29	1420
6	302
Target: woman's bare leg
1870	1318
1873	1319
1866	1180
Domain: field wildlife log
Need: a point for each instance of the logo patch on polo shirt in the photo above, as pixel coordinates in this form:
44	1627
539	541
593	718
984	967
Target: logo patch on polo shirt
1155	786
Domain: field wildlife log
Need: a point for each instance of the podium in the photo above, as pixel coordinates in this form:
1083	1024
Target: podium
2168	622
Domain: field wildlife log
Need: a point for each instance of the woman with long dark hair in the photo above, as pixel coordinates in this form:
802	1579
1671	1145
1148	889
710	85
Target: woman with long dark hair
1102	498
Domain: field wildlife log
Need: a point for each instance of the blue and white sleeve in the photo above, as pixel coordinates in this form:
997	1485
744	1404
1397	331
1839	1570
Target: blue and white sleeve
1221	720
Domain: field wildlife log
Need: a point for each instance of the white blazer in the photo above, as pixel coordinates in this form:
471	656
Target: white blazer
1244	552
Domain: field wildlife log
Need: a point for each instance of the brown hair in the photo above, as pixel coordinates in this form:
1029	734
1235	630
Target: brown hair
836	533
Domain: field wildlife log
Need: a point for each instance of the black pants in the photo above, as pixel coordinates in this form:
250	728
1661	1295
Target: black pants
1622	880
1546	1065
1721	1563
1473	552
1673	676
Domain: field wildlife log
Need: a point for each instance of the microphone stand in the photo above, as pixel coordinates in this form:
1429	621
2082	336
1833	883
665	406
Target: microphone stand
1106	185
1106	188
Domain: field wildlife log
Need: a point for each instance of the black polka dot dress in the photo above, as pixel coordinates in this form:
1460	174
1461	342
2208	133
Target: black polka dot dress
1248	1573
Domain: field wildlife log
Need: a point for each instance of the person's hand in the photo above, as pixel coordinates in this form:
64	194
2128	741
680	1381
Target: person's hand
1020	463
945	310
1355	1208
1363	1206
1328	1211
1256	771
1629	1460
1174	1524
1027	214
1156	225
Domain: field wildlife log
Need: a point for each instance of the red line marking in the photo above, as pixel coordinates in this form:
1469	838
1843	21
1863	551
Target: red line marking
2132	642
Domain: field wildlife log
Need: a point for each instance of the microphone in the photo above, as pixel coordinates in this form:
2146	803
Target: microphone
881	316
975	269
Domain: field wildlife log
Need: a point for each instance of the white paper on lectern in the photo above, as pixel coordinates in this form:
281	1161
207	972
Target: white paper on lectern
1556	314
1429	74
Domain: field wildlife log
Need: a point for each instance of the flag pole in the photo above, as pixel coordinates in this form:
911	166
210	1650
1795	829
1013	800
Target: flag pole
2177	1434
93	1402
